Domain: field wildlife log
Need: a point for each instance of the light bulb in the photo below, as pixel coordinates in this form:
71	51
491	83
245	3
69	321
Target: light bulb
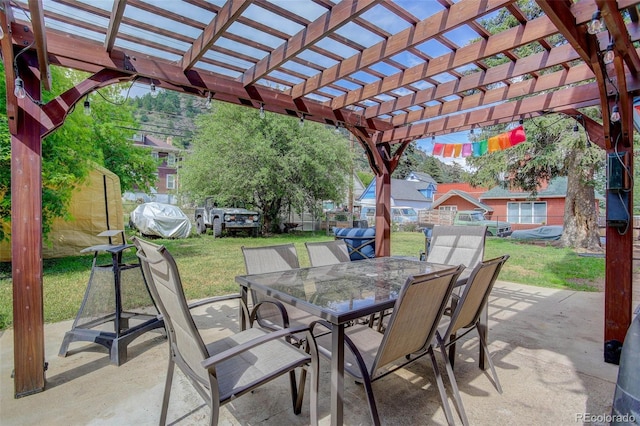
19	89
609	55
261	110
615	114
337	129
595	26
87	107
575	127
207	104
154	92
301	122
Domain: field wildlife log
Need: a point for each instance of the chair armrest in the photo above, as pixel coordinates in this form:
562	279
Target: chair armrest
213	300
231	352
283	312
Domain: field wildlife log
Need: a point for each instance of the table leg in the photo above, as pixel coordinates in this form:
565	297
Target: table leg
337	374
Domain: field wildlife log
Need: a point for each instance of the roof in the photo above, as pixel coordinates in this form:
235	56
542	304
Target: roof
156	144
461	194
423	177
557	188
403	190
443	188
395	70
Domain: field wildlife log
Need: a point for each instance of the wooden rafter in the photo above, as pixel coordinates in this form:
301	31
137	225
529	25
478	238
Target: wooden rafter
619	35
465	10
40	36
231	10
332	20
513	37
114	23
6	20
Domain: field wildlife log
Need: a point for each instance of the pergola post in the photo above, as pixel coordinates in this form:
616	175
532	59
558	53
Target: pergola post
26	244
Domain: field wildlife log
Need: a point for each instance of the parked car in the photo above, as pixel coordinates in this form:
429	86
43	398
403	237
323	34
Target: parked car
548	232
495	228
160	220
400	215
231	219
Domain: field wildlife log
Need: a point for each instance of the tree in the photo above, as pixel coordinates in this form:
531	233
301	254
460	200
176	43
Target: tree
68	153
273	162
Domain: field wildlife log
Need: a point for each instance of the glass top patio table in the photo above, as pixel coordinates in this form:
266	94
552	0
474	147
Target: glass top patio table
345	291
340	293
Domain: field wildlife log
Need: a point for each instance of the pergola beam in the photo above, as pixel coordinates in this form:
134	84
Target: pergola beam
114	23
40	37
448	19
226	16
336	17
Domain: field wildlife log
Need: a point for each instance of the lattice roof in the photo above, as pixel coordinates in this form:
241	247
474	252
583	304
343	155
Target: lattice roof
401	70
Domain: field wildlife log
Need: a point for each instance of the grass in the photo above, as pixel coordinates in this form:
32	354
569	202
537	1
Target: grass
209	265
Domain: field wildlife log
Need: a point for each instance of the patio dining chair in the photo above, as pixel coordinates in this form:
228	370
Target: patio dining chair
231	366
467	310
457	245
327	252
409	335
269	312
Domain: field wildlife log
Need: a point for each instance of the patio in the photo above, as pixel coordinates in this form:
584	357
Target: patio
546	344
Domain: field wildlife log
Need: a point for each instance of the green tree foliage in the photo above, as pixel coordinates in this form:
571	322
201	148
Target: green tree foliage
274	162
68	153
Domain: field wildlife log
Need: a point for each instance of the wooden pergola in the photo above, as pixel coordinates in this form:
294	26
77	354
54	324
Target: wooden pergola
391	72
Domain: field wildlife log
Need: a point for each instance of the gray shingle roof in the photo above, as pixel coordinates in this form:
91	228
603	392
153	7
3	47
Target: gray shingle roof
557	188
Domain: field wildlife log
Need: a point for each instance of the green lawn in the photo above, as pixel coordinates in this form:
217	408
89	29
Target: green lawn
208	267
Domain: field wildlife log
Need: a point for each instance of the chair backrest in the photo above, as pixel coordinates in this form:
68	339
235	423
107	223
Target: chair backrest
457	245
327	252
361	242
416	314
475	294
261	260
163	278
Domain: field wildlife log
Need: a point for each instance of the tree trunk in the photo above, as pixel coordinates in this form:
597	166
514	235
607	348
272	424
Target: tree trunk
580	211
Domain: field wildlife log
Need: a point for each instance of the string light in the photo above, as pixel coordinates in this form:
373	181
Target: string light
609	54
521	122
87	106
207	104
261	110
337	129
615	114
301	122
19	88
154	92
595	26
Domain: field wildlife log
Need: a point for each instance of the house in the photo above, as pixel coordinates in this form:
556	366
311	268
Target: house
168	157
516	207
416	191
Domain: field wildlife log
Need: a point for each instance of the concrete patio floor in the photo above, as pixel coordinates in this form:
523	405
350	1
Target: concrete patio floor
547	346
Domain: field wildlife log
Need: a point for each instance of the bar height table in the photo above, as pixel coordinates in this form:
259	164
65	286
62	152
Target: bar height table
117	306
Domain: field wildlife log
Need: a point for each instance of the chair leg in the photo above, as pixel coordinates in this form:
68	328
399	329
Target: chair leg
167	392
314	387
452	380
488	356
441	390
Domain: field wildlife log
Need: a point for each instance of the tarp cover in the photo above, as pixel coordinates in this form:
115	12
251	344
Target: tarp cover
95	206
162	220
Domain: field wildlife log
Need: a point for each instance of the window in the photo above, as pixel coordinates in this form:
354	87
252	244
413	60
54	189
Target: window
447	208
527	212
154	155
171	160
171	181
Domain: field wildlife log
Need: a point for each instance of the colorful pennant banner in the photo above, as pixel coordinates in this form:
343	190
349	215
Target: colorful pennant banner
496	143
